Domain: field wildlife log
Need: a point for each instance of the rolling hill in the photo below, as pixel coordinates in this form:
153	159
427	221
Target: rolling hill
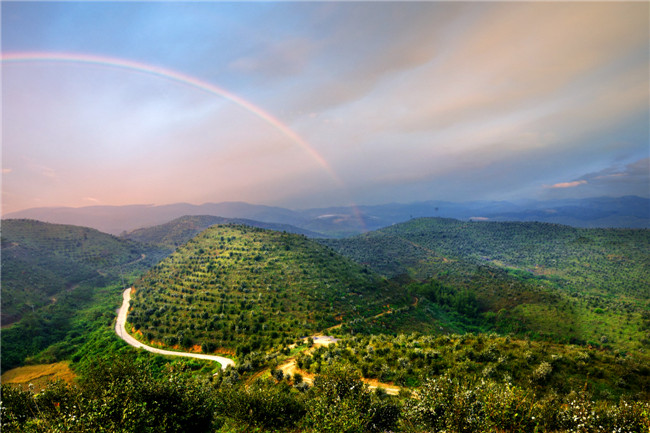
243	288
582	285
252	292
41	260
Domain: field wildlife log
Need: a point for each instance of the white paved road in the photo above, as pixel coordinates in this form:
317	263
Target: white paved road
120	329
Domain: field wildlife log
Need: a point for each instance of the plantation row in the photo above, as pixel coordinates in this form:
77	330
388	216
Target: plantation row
599	261
249	289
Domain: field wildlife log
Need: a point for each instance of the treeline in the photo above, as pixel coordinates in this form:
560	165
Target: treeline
126	396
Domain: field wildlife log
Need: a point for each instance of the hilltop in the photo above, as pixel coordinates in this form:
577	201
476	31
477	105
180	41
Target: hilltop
244	289
177	232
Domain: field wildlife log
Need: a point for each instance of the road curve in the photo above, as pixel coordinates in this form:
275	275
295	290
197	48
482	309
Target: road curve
120	330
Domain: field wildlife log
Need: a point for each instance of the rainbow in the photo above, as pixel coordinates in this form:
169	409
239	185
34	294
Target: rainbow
188	81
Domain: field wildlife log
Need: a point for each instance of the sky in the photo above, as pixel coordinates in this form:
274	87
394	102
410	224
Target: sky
319	104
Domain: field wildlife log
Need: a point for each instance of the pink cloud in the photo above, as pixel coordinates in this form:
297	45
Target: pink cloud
568	184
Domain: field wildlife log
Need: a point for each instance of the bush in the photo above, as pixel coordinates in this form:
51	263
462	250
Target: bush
118	397
341	403
263	404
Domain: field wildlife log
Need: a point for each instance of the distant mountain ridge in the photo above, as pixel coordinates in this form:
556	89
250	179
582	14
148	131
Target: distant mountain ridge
596	212
177	232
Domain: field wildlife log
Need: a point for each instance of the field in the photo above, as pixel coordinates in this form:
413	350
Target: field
37	377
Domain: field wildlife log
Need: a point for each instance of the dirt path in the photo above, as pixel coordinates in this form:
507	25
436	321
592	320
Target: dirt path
290	367
120	330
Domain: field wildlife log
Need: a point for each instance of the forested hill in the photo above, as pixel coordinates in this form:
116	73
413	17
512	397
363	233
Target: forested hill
177	232
602	261
586	286
42	260
244	289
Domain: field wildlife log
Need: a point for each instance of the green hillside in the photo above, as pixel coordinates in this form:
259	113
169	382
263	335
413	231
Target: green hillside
251	291
41	260
244	289
54	280
409	360
574	285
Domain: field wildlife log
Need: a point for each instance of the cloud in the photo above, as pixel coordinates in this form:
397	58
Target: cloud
7	170
273	59
572	184
405	101
615	180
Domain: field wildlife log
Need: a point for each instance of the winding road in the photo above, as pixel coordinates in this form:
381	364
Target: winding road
120	329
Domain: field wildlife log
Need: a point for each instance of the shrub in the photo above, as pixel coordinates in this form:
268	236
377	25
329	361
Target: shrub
116	397
340	402
263	404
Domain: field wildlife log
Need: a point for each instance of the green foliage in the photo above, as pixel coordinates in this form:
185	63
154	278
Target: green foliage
446	404
250	289
263	404
120	396
341	402
123	394
41	262
55	332
542	280
408	360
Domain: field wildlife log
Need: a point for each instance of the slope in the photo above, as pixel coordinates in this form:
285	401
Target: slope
243	289
580	285
41	260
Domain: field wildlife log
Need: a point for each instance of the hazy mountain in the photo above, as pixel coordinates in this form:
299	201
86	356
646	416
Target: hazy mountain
601	212
181	230
118	219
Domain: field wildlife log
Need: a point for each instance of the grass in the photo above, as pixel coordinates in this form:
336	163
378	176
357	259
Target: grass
37	377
